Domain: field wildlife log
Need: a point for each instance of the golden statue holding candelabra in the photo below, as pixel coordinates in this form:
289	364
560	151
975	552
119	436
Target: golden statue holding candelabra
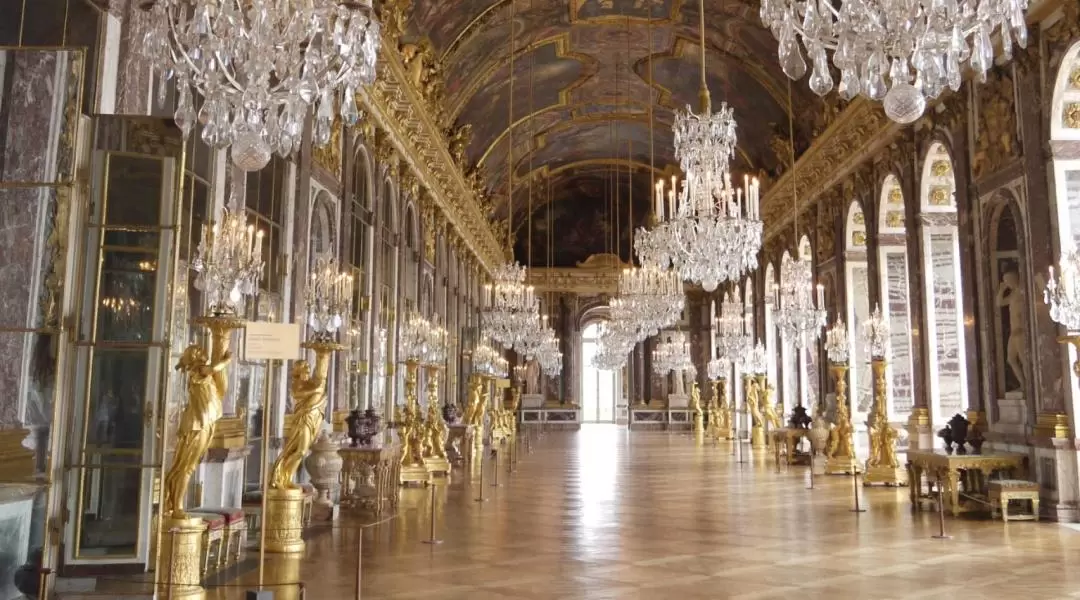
753	406
883	465
435	431
768	408
308	392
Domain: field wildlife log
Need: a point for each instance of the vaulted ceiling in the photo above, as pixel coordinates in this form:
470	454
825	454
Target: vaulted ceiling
581	95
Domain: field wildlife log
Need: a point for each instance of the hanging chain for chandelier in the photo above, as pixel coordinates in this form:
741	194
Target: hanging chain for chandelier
651	294
800	312
260	65
869	39
709	230
511	311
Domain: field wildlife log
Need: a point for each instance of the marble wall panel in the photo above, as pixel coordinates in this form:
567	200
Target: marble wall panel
900	385
1072	194
946	307
790	373
861	383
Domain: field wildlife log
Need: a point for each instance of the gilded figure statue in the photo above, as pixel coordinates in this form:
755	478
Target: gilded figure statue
206	390
474	410
767	406
412	435
435	432
308	391
458	139
1011	295
753	403
841	438
883	445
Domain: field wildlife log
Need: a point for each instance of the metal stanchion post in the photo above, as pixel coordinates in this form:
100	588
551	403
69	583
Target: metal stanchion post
855	487
495	463
813	457
481	498
941	512
359	560
432	540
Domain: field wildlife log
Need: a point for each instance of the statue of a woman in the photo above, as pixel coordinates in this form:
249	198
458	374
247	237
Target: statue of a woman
206	390
753	403
308	391
474	410
768	407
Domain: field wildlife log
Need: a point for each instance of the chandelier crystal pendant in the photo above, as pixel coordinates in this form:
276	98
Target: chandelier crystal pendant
260	65
228	261
733	329
921	46
415	338
798	314
328	298
673	354
650	297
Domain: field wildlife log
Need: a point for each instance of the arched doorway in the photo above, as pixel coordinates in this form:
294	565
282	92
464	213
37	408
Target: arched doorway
598	387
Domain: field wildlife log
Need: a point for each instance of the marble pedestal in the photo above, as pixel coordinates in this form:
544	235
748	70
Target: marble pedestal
678	400
223	477
1012	414
532	401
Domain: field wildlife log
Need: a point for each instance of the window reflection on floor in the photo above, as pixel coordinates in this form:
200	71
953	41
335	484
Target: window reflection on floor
598	477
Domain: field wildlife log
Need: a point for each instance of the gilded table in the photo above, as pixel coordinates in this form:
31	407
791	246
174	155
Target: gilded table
370	477
788	438
950	470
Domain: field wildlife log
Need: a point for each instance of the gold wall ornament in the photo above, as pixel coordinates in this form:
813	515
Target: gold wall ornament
859	218
57	245
882	466
1071	115
894	219
308	392
431	228
458	139
1074	79
896	196
425	72
940	196
941	168
207	385
394	15
858	239
841	447
329	156
996	139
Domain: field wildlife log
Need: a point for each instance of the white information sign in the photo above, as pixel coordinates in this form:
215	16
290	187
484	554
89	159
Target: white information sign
271	341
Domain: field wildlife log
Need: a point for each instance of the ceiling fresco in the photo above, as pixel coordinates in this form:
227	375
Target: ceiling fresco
589	62
582	219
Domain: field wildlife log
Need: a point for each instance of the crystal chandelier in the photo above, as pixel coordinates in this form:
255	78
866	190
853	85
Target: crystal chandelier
510	308
673	354
921	45
836	343
875	335
485	360
260	65
1062	294
415	337
708	230
718	368
436	345
228	261
616	341
328	298
733	329
757	361
650	297
798	316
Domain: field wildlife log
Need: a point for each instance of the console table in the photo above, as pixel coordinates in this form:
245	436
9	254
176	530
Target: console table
973	470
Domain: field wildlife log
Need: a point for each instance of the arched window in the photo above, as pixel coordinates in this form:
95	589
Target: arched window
808	357
944	300
893	267
598	387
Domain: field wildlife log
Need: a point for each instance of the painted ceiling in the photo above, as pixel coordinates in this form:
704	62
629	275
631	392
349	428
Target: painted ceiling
581	94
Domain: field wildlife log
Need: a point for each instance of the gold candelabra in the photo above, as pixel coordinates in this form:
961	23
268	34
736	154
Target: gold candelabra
883	466
841	448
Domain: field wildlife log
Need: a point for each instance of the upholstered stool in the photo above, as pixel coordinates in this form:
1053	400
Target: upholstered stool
212	538
236	533
309	500
1002	491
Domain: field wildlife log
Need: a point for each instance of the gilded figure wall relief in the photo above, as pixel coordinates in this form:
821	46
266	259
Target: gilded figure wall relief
996	140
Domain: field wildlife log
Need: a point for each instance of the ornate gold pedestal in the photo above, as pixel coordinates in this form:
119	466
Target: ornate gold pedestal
882	467
841	447
181	559
284	521
757	437
283	576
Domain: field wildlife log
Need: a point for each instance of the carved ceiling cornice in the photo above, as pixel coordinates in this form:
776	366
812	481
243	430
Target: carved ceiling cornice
859	132
398	108
574	280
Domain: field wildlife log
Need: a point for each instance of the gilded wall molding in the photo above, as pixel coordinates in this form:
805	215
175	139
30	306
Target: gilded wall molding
398	108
